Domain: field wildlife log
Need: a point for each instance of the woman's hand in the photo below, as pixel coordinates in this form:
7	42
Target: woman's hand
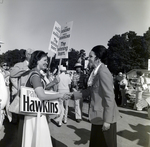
67	96
106	126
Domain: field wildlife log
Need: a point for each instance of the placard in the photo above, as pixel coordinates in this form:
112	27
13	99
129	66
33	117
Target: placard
54	41
64	40
30	103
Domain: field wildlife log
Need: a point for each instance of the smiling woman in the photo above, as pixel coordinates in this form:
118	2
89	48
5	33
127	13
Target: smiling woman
30	136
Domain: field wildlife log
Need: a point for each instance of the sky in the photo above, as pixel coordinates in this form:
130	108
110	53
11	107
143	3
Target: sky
29	23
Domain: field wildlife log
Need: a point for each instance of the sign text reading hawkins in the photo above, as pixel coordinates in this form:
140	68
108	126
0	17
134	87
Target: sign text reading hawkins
31	104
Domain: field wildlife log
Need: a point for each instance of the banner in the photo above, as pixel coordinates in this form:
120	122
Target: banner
54	41
64	40
30	103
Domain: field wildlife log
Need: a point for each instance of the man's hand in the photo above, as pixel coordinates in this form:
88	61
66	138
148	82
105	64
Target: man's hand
106	126
67	96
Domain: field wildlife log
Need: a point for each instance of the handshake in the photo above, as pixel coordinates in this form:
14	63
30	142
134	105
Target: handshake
67	96
70	95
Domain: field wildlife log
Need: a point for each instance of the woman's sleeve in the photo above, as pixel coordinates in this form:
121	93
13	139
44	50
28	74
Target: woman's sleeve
36	81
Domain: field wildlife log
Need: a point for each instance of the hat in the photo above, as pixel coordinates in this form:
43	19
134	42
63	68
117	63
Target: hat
62	68
77	65
29	51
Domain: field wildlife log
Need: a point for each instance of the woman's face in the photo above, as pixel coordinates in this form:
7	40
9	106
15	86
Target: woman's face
42	63
92	59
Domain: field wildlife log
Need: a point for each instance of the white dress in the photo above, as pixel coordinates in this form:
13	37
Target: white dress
36	132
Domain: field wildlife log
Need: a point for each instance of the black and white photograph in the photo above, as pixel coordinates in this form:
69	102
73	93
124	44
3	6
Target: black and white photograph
74	73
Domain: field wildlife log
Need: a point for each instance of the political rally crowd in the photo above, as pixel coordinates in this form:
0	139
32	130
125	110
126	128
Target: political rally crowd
95	85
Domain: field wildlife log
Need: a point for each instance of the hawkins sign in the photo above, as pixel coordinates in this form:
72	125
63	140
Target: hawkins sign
30	103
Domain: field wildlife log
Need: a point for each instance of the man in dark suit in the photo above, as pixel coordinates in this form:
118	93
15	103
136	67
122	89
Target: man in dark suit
103	112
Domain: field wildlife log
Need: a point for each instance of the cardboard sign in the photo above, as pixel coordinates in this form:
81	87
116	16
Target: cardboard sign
54	41
64	40
30	103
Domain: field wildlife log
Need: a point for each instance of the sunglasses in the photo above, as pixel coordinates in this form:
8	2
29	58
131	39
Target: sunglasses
4	65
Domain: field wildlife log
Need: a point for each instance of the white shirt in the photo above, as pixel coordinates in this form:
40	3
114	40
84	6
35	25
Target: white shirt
92	75
65	80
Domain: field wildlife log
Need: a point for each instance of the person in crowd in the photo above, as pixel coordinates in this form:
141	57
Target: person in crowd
5	72
147	82
71	75
15	73
63	87
103	112
139	89
146	96
53	81
78	82
38	62
117	80
4	97
21	67
123	87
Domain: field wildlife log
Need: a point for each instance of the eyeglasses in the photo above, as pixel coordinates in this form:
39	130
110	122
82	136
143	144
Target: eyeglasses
4	65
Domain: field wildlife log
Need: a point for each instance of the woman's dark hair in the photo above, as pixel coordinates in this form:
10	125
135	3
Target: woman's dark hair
139	73
100	53
35	57
22	55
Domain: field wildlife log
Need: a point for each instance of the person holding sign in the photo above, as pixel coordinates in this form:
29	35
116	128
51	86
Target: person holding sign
103	112
31	137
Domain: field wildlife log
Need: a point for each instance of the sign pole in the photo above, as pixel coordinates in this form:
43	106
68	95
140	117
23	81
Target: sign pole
60	61
49	64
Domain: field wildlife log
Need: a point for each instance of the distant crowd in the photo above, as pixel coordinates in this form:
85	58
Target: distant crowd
135	90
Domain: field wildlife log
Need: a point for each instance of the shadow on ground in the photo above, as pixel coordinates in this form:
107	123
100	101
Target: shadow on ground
57	143
138	132
137	114
82	133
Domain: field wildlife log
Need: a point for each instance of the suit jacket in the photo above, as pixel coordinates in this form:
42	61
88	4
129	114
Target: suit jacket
103	107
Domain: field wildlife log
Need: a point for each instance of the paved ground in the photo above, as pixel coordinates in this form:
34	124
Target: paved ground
133	130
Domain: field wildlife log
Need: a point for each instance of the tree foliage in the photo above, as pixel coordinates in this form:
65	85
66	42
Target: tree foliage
127	51
13	56
73	58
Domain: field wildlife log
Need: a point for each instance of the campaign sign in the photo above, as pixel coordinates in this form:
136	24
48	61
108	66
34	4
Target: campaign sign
54	41
64	40
30	103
